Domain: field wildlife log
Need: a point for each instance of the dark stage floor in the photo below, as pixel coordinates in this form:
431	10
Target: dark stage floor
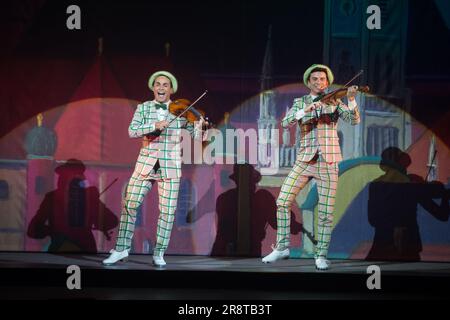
44	276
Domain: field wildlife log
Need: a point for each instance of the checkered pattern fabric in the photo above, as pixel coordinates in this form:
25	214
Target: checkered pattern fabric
164	147
326	176
320	135
159	160
317	158
136	190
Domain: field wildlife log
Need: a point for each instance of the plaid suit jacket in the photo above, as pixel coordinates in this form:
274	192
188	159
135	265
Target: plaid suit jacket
166	147
320	133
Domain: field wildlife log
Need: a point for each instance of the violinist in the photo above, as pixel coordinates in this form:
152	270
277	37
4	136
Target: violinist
159	161
317	157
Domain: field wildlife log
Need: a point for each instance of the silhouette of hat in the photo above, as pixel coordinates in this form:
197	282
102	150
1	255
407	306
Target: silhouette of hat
255	176
396	158
74	165
166	74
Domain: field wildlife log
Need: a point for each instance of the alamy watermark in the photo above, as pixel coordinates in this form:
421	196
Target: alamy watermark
374	20
74	280
258	147
74	20
374	280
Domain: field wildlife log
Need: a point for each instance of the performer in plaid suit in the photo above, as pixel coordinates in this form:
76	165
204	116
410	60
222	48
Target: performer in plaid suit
317	158
159	161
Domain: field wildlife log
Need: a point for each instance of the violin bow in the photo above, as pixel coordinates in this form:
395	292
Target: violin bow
190	106
431	165
350	81
356	76
108	186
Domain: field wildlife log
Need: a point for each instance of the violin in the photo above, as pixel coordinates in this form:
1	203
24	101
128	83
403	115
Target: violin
180	108
332	96
183	107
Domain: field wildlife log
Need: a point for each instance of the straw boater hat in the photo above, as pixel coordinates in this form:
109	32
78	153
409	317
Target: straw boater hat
321	66
166	74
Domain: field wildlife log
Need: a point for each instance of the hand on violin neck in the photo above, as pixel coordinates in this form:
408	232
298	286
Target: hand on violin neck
201	123
161	125
351	92
206	123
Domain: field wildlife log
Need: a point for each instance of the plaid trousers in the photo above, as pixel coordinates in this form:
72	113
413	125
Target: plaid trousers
326	175
137	188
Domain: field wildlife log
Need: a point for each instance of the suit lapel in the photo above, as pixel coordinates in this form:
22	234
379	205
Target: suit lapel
307	101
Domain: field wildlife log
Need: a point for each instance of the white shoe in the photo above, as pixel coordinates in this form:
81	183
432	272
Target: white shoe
159	261
276	255
322	263
115	256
